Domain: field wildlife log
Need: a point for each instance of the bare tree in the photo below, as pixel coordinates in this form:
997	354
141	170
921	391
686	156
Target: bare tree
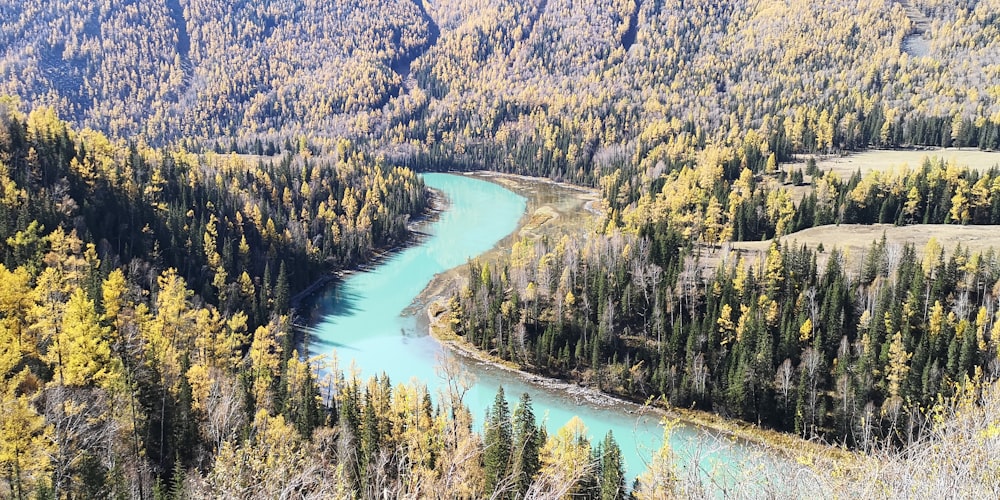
223	409
810	367
784	380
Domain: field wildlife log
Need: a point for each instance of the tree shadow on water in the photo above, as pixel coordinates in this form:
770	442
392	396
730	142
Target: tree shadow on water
333	303
319	328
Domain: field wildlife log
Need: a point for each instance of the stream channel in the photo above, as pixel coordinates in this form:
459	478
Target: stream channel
367	320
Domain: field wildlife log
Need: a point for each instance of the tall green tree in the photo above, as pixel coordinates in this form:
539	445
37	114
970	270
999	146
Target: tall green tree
612	478
527	440
497	443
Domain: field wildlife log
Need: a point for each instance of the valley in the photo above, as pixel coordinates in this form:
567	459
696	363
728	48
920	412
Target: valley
505	249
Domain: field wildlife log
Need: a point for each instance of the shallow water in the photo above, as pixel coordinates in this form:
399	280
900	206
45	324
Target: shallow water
363	319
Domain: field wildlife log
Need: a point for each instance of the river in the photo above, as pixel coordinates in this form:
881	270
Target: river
364	319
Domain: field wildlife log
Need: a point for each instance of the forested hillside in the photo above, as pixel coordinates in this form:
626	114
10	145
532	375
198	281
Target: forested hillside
145	297
208	69
553	88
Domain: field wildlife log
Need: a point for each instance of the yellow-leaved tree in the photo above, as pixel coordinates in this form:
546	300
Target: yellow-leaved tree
896	370
566	461
16	301
264	360
25	439
81	354
660	479
26	442
171	331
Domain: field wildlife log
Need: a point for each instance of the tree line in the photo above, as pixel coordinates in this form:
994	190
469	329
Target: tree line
559	93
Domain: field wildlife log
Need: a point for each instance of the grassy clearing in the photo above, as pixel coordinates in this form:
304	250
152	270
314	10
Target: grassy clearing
845	166
854	239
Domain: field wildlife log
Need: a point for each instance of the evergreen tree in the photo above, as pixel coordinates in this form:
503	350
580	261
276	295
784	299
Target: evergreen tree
370	439
281	291
527	442
497	443
612	479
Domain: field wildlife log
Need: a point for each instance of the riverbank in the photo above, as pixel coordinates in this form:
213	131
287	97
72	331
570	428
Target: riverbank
546	216
437	203
790	446
554	208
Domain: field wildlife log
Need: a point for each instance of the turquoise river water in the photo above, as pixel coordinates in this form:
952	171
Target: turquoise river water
364	319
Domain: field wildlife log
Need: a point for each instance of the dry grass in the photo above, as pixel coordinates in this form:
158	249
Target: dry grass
439	319
959	458
845	166
543	215
853	240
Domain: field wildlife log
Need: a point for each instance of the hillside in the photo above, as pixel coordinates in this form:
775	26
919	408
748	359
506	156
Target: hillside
207	68
498	82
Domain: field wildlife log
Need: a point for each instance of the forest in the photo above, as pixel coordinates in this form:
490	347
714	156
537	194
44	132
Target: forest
173	175
146	298
549	88
854	358
164	364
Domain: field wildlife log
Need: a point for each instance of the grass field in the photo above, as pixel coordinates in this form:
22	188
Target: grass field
845	166
854	239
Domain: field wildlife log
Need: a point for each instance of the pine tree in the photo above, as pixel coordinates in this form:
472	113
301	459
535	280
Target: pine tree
612	480
281	292
184	426
497	443
526	439
177	489
370	439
